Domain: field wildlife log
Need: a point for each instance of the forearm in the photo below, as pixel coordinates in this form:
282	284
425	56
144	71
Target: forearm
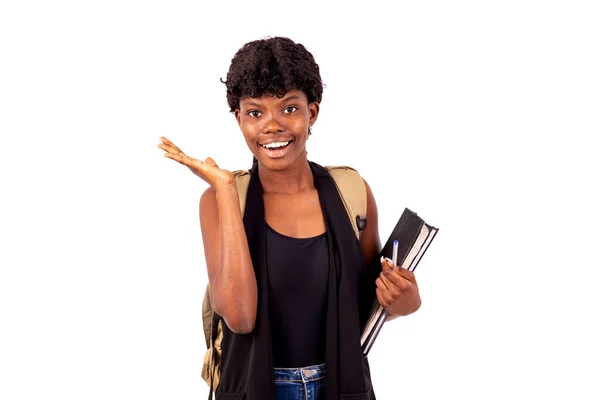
234	288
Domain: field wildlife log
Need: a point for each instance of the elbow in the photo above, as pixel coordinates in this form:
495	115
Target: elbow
242	325
242	328
238	312
239	319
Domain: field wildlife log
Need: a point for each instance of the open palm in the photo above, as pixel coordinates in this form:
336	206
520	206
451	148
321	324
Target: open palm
208	169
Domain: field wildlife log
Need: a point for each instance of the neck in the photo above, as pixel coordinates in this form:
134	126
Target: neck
296	178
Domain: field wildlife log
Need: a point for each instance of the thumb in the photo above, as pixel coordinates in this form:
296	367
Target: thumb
386	263
212	162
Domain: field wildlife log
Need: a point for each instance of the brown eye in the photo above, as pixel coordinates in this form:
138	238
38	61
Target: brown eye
290	109
254	113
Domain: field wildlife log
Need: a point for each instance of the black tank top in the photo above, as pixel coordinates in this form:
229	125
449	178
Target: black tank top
297	271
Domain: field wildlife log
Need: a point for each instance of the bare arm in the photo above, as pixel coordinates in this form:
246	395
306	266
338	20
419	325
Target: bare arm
370	242
397	290
230	271
234	292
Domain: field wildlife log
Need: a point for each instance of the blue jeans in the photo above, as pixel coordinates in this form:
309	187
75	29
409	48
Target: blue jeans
306	383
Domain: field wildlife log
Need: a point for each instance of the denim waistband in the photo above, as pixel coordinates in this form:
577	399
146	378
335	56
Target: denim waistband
305	374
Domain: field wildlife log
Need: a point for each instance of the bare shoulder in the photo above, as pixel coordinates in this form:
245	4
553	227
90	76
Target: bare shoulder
370	196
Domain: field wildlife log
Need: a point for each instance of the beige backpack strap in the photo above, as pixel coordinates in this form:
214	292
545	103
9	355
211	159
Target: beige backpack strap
353	192
207	314
242	180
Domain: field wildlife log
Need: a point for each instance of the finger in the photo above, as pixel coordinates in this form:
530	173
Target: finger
166	141
210	161
385	264
170	144
167	148
378	295
394	281
385	280
382	298
170	149
185	160
176	157
381	284
408	275
163	140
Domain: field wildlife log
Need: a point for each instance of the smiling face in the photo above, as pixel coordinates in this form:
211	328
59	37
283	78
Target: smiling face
276	129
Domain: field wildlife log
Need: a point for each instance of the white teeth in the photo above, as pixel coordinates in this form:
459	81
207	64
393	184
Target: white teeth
275	145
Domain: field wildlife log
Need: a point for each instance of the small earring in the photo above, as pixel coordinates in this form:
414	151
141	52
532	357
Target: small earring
309	130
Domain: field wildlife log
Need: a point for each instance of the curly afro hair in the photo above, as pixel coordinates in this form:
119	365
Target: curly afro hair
274	65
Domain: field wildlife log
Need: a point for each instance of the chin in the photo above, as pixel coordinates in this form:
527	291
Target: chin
275	165
279	164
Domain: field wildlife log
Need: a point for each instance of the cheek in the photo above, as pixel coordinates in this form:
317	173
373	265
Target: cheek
299	127
251	138
249	132
250	141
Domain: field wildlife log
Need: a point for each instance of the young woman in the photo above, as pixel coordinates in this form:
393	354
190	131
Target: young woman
290	280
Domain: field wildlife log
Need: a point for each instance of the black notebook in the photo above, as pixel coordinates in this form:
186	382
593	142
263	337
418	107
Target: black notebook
414	237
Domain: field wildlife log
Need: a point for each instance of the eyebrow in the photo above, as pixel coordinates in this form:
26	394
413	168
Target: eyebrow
291	97
251	104
285	99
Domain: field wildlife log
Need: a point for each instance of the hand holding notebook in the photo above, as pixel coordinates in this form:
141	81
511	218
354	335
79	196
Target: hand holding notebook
413	237
397	291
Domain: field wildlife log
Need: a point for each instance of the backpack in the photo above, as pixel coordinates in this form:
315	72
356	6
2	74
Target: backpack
353	193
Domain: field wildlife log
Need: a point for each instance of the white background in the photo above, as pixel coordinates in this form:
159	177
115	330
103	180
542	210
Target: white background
482	117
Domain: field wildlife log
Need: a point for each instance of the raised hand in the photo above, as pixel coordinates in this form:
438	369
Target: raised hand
208	169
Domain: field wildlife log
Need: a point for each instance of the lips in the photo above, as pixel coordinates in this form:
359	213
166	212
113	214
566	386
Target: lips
279	151
276	144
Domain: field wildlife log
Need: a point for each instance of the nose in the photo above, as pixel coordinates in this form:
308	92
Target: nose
273	124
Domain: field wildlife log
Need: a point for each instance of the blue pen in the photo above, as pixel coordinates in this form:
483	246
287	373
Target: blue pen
395	254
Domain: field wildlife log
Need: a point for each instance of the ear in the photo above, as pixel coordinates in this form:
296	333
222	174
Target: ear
313	112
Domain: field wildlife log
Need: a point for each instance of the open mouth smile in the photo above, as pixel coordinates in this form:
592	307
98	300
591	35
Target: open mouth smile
276	145
277	149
